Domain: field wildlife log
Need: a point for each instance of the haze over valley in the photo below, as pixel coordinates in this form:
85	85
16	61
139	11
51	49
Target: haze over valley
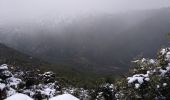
84	49
101	43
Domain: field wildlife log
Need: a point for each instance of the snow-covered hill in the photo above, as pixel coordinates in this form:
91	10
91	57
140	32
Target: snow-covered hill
15	83
64	97
20	96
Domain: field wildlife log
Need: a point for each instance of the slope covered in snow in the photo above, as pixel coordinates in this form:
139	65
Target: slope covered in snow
19	96
64	97
19	84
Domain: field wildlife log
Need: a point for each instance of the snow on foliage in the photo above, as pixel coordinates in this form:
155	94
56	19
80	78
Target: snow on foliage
2	86
137	85
10	84
13	82
36	85
106	92
150	78
165	70
4	67
140	78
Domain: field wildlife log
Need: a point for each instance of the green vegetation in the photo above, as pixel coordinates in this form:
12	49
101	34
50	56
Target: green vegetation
63	72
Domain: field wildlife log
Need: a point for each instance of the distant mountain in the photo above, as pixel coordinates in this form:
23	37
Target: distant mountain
101	43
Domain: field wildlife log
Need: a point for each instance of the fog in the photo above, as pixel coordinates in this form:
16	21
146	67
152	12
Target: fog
99	35
17	10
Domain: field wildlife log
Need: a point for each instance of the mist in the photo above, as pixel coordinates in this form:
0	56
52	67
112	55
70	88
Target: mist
94	34
32	10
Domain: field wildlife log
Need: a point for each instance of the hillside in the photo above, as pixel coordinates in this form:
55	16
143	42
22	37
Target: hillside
64	73
14	57
147	80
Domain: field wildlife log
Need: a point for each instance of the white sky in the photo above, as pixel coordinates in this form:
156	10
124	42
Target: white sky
32	8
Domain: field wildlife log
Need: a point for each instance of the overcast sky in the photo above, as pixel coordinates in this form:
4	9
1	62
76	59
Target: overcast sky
33	8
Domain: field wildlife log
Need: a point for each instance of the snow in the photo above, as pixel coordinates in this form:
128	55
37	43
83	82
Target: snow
7	73
135	61
163	51
48	89
11	92
147	79
12	81
2	86
133	79
137	86
28	92
166	53
165	84
138	77
148	72
4	67
152	61
164	71
111	86
168	56
19	96
143	59
64	97
48	74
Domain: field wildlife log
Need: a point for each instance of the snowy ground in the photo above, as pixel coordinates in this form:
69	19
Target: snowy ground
20	96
